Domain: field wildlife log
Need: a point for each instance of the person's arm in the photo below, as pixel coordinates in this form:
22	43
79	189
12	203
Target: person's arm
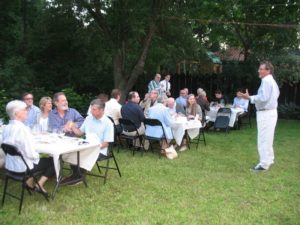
264	93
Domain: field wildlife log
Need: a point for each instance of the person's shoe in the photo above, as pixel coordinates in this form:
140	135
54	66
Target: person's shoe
38	190
258	168
183	148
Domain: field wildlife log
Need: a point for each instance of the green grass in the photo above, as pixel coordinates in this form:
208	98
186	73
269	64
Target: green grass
211	185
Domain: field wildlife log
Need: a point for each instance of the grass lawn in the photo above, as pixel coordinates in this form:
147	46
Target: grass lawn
211	185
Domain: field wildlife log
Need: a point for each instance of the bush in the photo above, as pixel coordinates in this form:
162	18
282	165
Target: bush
289	111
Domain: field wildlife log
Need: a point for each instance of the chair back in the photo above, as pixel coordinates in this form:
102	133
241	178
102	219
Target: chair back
13	151
154	123
223	118
224	111
127	125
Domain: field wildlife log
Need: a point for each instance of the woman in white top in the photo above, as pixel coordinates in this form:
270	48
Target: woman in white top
19	135
46	107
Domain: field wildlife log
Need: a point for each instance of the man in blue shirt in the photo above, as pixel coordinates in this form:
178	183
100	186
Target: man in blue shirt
33	111
63	118
239	102
181	101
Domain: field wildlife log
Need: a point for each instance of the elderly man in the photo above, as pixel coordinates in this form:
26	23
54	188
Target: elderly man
97	124
154	84
266	115
149	101
33	111
62	118
17	134
171	104
160	112
165	86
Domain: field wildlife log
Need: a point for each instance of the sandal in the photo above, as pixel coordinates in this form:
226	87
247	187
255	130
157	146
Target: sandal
29	188
38	190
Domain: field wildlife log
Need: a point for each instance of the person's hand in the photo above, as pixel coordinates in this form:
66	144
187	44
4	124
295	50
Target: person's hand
146	96
69	126
244	95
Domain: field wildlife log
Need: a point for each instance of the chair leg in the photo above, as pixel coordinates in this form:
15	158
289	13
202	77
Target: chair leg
98	166
4	190
106	171
204	140
116	164
22	197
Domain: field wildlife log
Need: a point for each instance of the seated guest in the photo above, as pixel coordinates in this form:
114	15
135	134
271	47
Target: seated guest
97	124
181	102
239	102
17	134
220	99
103	97
33	111
202	101
149	101
113	107
132	111
193	110
161	113
62	118
154	84
46	107
171	104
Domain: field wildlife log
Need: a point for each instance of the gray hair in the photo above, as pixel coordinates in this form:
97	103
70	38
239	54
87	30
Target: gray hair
13	107
98	103
201	92
161	100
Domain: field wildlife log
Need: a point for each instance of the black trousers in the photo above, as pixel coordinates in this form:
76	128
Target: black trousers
46	166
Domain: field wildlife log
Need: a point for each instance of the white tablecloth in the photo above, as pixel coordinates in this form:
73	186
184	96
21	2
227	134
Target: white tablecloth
68	148
212	114
181	124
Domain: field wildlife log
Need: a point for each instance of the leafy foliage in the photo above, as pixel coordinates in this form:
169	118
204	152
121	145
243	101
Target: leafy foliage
289	111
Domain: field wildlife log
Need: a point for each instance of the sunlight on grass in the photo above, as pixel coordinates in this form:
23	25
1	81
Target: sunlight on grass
211	185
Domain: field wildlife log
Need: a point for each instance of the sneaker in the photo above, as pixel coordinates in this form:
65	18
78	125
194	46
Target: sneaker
258	168
183	148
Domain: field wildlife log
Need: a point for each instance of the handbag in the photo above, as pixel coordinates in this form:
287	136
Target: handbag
171	152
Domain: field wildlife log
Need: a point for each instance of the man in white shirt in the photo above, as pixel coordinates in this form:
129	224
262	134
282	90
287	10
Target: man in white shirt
165	86
113	107
266	116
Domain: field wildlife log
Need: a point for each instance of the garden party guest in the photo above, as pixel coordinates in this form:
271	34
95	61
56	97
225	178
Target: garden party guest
62	118
45	107
266	114
19	135
165	86
239	102
193	110
161	113
113	107
181	102
202	101
149	101
97	124
220	99
171	104
33	111
154	84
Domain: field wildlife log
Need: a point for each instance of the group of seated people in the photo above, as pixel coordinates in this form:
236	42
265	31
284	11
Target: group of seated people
157	104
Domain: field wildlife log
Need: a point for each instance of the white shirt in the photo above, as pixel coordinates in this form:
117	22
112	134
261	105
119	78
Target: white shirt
267	94
43	122
113	110
241	103
164	87
17	134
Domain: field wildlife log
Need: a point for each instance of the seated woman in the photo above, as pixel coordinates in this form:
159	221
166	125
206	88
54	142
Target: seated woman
193	110
17	134
220	99
46	107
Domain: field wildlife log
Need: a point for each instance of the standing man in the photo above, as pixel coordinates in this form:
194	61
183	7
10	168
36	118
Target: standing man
165	86
33	111
154	84
266	116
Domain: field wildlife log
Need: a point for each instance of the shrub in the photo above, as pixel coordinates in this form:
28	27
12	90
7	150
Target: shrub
289	111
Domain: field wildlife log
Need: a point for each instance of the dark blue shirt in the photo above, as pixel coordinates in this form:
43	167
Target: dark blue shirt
133	112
